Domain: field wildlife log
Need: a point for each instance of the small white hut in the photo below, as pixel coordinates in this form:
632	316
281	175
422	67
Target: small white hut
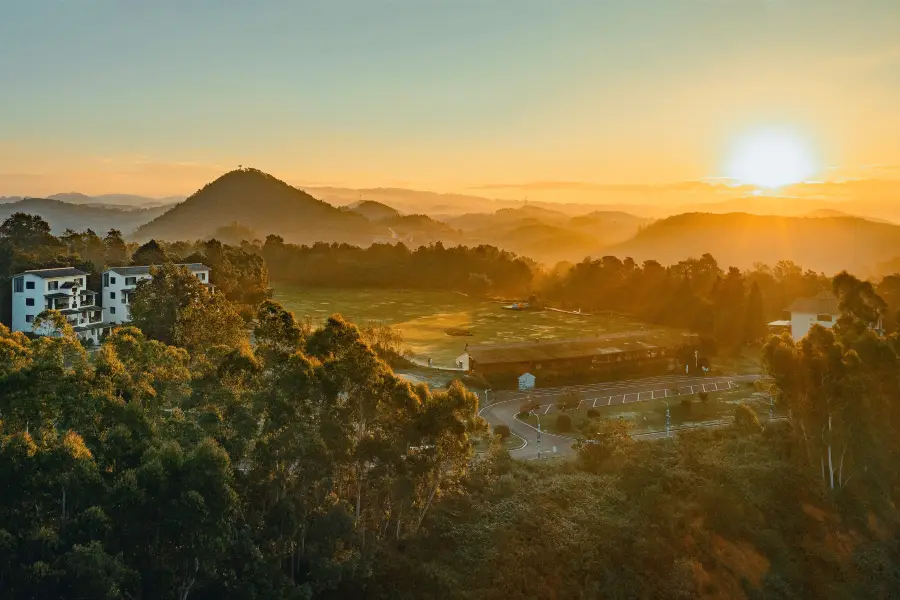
526	382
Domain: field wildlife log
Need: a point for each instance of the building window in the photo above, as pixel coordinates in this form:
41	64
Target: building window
124	298
112	295
131	281
824	318
112	280
29	285
29	318
52	285
112	310
29	301
202	276
18	285
106	280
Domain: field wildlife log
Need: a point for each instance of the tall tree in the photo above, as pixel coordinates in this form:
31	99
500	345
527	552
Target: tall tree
25	231
754	319
116	251
175	308
150	253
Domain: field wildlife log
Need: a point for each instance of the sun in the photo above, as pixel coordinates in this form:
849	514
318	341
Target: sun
771	159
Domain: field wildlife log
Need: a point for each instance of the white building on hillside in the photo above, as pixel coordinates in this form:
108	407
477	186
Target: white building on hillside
821	310
119	284
63	289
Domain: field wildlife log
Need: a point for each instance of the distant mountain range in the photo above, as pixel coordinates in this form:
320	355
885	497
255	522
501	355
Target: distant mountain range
64	215
822	234
121	201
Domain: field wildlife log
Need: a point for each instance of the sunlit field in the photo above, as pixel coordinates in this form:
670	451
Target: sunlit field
424	317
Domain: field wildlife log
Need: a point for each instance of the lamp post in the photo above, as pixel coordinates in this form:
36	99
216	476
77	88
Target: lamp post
668	417
538	415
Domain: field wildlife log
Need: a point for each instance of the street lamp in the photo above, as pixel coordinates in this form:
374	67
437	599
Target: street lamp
538	415
668	417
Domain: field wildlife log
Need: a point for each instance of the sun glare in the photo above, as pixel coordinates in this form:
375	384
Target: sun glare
771	159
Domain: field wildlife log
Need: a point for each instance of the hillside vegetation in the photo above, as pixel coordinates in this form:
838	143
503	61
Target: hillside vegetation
182	461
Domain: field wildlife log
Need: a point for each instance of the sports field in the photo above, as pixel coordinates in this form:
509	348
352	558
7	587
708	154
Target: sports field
424	317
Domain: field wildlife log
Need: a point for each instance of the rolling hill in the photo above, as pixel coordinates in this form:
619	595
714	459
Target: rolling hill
63	215
420	230
373	211
826	244
264	204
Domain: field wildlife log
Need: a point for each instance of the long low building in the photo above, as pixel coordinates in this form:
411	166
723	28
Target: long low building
593	353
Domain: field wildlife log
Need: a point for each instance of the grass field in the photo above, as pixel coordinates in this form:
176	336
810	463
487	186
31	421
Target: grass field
424	317
650	415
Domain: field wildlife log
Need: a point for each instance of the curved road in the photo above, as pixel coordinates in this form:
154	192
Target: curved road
503	411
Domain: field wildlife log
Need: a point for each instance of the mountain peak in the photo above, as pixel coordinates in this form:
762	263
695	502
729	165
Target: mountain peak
262	202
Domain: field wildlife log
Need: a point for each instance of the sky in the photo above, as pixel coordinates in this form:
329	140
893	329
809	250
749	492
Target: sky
491	96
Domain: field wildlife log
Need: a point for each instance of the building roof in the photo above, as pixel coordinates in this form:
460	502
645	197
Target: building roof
615	343
51	273
825	303
145	269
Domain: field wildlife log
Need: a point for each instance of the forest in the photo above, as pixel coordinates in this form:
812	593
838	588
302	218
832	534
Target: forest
180	460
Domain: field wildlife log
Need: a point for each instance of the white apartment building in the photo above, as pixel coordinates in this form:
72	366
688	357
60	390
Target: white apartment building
119	284
62	289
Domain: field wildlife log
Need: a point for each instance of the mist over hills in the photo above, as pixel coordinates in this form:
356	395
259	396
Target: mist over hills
119	200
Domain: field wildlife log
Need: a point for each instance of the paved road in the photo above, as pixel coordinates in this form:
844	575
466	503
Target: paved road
503	410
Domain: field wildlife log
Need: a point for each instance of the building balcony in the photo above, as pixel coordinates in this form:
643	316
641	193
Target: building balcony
63	302
88	327
85	318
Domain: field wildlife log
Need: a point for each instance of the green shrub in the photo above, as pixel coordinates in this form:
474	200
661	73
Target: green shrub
502	431
593	413
564	423
569	400
746	419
